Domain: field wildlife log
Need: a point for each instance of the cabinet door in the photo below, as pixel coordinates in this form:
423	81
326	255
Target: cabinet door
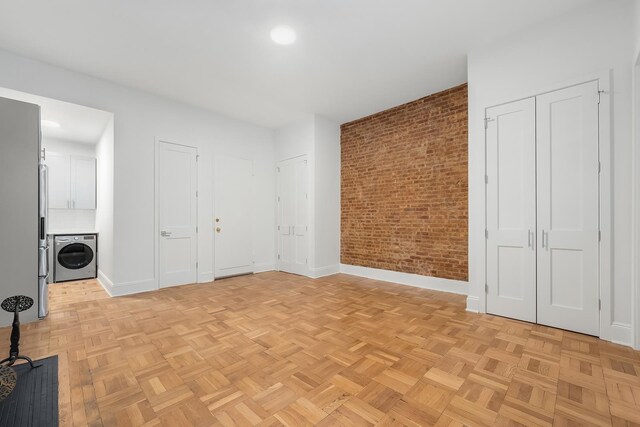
511	210
83	182
568	259
59	181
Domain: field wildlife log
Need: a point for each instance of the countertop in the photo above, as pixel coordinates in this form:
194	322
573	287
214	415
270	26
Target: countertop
70	232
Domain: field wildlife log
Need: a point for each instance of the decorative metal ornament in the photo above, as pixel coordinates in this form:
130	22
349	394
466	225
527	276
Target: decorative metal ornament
22	302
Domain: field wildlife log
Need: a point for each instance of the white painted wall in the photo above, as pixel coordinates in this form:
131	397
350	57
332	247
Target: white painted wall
63	221
327	197
139	119
295	139
70	220
104	202
541	59
319	139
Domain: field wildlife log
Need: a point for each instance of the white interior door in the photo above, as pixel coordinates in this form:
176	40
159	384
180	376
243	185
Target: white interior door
177	214
83	182
568	222
293	215
233	207
59	181
511	210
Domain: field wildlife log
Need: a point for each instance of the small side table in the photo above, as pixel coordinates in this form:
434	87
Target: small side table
16	304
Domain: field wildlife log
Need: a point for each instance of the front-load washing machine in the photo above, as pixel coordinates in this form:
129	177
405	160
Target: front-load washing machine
75	257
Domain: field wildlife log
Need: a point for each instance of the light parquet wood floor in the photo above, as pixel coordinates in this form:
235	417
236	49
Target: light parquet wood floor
277	349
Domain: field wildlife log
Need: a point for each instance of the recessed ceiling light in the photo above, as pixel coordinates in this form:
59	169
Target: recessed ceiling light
283	35
50	124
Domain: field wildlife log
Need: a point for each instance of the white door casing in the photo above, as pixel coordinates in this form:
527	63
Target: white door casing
511	210
568	208
177	214
293	215
233	219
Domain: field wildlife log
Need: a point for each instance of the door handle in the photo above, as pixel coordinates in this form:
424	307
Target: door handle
529	238
165	233
545	239
218	229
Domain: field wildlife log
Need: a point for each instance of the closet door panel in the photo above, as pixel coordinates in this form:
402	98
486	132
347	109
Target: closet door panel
511	209
567	173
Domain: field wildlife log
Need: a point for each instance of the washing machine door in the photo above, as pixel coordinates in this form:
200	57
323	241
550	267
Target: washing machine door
75	256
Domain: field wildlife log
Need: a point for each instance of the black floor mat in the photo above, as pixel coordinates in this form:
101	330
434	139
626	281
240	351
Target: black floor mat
34	401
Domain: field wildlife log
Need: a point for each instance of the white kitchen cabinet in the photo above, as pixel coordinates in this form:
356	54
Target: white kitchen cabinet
72	181
59	180
83	182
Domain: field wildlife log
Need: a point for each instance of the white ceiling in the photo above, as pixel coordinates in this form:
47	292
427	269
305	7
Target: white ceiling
352	57
77	123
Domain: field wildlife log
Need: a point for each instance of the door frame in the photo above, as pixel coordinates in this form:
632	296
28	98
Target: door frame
310	214
608	331
156	208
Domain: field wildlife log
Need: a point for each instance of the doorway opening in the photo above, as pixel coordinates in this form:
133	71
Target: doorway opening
77	175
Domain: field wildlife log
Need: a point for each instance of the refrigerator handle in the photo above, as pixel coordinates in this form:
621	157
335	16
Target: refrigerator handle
44	190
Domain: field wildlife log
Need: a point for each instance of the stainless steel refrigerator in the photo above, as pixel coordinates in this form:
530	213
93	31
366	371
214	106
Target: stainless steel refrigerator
23	220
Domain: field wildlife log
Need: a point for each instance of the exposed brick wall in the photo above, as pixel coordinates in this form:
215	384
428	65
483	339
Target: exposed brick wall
404	188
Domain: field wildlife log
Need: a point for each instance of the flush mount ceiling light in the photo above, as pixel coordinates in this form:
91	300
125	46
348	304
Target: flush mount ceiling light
283	35
50	124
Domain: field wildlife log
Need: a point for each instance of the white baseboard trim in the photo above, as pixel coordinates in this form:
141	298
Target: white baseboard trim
105	282
473	304
264	266
415	280
316	273
205	277
130	288
622	333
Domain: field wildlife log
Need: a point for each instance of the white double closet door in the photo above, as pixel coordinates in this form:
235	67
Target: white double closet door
543	209
293	215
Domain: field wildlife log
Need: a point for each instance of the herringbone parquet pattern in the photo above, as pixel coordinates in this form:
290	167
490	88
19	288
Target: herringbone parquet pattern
276	349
